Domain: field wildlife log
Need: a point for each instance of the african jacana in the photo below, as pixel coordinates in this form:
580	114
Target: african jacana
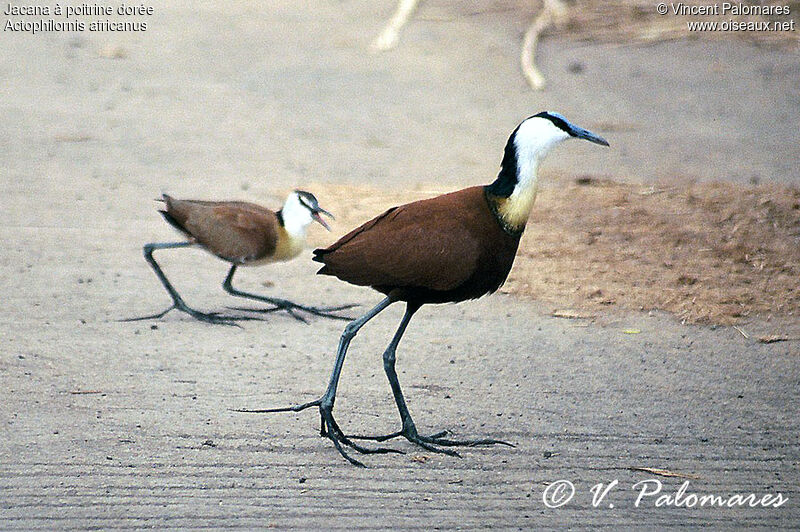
446	249
243	234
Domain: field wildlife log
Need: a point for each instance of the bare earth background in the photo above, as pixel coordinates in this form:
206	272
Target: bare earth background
613	348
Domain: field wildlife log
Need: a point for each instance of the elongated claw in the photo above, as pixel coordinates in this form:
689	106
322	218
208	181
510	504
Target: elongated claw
425	445
335	433
438	440
295	408
294	311
429	442
290	307
329	429
386	437
209	317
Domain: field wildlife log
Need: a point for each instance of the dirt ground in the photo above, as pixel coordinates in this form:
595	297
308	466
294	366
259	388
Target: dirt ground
612	348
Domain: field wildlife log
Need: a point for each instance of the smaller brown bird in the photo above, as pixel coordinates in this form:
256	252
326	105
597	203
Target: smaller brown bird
243	234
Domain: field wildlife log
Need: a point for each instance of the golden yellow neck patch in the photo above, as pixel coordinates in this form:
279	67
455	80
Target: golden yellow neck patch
513	212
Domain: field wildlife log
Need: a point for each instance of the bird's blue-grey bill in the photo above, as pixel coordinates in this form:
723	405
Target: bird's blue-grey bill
326	213
588	135
318	218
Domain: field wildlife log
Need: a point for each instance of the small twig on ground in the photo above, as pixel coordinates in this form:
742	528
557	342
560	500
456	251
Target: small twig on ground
572	315
663	472
741	331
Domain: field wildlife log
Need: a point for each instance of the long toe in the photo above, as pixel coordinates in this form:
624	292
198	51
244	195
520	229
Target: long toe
294	310
343	453
378	438
330	429
409	432
218	319
332	309
256	310
437	439
150	316
386	437
294	408
290	310
335	434
418	440
208	317
432	442
365	450
333	430
323	312
333	316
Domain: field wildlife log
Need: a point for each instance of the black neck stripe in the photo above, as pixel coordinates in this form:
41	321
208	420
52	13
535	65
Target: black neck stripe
506	180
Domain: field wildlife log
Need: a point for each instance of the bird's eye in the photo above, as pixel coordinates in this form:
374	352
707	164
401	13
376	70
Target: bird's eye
308	201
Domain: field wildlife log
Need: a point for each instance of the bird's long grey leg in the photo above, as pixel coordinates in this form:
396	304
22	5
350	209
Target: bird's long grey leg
409	429
349	333
325	403
177	301
282	304
389	358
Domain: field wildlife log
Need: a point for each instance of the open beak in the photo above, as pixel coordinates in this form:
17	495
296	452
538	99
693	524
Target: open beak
581	133
320	219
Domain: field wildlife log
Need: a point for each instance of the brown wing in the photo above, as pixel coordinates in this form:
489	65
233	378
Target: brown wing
434	244
233	230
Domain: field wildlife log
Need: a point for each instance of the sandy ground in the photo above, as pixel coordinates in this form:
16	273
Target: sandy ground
128	425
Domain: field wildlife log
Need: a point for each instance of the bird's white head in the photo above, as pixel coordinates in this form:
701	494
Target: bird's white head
540	133
300	209
528	144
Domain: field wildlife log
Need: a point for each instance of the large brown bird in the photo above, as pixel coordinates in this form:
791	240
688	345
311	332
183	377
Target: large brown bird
243	234
450	248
